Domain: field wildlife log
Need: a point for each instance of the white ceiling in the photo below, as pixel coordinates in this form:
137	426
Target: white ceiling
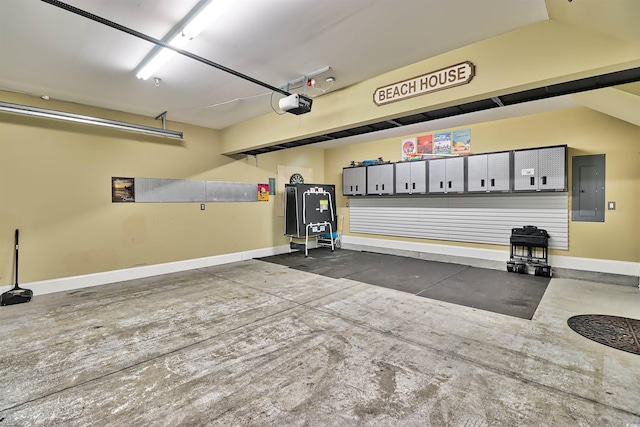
49	51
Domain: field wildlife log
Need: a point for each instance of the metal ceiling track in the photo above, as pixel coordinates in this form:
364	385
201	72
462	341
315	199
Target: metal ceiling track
160	43
78	118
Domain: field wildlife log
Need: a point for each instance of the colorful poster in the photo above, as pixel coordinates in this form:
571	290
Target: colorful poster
425	144
408	148
442	143
263	192
461	141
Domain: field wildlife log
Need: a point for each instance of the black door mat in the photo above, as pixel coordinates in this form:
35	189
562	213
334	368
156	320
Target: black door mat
501	292
622	333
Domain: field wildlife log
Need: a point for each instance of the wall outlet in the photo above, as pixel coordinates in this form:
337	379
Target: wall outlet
201	206
611	206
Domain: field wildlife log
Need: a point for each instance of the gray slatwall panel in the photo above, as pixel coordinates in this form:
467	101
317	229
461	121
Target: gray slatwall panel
160	190
217	191
476	219
168	190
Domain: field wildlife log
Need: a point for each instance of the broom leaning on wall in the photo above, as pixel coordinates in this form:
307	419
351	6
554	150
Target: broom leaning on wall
17	295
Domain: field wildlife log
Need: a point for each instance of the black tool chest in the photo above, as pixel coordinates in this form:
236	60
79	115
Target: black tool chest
529	247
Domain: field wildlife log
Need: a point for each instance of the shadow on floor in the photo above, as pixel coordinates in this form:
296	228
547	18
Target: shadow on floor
501	292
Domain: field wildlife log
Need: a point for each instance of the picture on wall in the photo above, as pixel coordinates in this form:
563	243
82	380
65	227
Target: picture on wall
461	141
408	148
122	190
263	192
425	144
442	143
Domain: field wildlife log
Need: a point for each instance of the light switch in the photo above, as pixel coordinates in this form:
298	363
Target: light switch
611	206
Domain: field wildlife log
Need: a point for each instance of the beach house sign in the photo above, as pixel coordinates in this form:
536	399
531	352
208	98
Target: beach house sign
445	78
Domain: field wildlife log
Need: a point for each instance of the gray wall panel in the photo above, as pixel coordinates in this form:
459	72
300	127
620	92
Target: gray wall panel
219	191
168	190
160	190
476	219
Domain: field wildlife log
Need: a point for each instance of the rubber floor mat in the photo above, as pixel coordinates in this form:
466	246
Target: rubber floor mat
498	291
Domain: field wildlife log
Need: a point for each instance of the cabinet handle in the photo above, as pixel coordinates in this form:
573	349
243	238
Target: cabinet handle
493	182
532	180
544	180
449	184
382	187
482	183
414	185
441	184
352	188
356	188
376	187
406	185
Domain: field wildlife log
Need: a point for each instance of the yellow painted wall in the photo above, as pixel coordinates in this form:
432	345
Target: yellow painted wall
534	56
584	131
55	186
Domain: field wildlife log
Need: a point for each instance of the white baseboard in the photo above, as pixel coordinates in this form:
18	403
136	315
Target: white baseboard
557	261
456	252
63	284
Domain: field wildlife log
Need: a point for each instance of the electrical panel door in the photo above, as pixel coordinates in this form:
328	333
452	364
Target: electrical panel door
354	181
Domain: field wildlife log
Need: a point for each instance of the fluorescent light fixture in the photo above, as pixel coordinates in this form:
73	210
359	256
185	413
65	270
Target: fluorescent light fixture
27	110
199	22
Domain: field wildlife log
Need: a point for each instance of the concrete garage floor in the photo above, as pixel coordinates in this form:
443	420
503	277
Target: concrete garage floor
257	343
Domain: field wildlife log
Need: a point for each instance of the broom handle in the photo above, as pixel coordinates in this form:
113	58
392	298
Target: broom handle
17	235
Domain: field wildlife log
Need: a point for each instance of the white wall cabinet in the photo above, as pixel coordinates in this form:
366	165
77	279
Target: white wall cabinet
354	181
540	169
489	172
380	179
446	175
411	177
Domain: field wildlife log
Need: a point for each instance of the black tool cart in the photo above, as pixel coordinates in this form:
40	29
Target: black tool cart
529	247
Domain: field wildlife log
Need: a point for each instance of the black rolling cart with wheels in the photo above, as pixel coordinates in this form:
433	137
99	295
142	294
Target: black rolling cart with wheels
529	247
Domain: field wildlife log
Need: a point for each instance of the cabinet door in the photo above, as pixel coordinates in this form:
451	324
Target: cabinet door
525	170
380	179
477	173
353	181
437	176
454	175
551	167
386	178
373	180
418	177
498	171
403	178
